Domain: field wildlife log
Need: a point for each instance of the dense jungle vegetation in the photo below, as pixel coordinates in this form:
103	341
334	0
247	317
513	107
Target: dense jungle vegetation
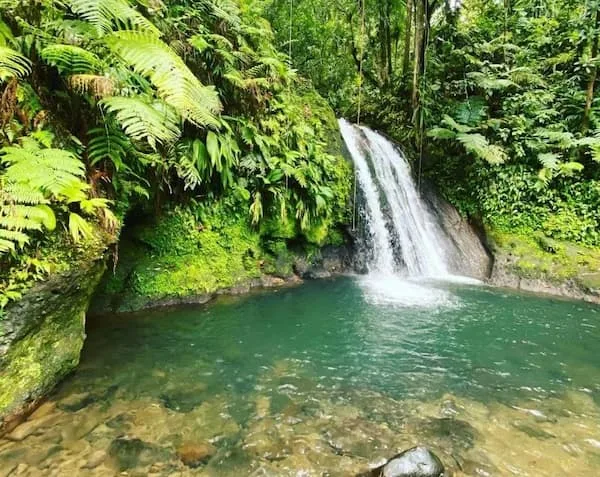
115	112
496	97
111	109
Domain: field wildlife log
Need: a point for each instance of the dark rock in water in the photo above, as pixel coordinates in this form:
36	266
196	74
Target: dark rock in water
131	453
194	455
459	434
181	400
120	422
415	462
329	261
75	402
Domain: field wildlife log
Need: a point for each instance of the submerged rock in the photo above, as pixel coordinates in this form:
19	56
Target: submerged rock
130	453
31	427
194	455
415	462
454	432
184	400
95	460
75	402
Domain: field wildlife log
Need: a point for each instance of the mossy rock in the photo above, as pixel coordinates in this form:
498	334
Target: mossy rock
42	335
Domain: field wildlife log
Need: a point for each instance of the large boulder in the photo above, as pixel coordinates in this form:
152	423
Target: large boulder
41	336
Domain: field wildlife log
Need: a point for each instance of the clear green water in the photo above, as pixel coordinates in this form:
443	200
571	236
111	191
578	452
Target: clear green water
331	377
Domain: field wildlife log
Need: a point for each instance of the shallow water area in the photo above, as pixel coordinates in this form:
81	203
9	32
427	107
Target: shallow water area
328	378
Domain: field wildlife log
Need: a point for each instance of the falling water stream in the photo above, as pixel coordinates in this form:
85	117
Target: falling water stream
385	177
407	248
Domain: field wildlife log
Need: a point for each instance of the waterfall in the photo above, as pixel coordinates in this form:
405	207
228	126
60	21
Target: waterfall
395	213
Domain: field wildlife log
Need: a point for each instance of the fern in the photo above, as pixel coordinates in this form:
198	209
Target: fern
549	160
490	82
13	64
71	60
478	145
106	15
23	209
53	171
108	144
143	121
169	74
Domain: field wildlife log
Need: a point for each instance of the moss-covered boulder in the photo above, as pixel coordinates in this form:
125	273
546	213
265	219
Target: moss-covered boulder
539	264
41	336
188	255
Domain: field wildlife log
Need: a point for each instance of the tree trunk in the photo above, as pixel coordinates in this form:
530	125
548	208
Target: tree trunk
407	37
418	56
585	125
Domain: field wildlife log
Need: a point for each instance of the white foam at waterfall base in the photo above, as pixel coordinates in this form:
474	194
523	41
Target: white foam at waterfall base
415	277
401	292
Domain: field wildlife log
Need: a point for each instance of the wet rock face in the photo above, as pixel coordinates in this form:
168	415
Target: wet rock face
41	338
415	462
330	261
468	254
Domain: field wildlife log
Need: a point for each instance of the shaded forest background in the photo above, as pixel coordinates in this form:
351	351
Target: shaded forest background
497	98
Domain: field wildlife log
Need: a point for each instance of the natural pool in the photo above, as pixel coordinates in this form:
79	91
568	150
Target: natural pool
328	379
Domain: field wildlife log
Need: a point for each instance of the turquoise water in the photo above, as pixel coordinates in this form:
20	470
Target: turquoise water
334	376
484	344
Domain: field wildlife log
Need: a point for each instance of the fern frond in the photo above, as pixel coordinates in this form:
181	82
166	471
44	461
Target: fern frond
478	145
175	83
461	128
54	171
143	121
489	82
108	143
71	60
79	228
106	15
549	160
441	133
563	139
13	64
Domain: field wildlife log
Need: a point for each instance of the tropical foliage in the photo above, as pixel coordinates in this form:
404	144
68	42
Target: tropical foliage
497	99
140	105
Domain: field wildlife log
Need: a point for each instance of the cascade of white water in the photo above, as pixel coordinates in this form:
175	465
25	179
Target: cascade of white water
420	241
383	255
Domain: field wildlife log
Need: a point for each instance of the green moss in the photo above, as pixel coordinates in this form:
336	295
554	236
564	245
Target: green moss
537	256
213	260
53	255
46	347
186	252
278	259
